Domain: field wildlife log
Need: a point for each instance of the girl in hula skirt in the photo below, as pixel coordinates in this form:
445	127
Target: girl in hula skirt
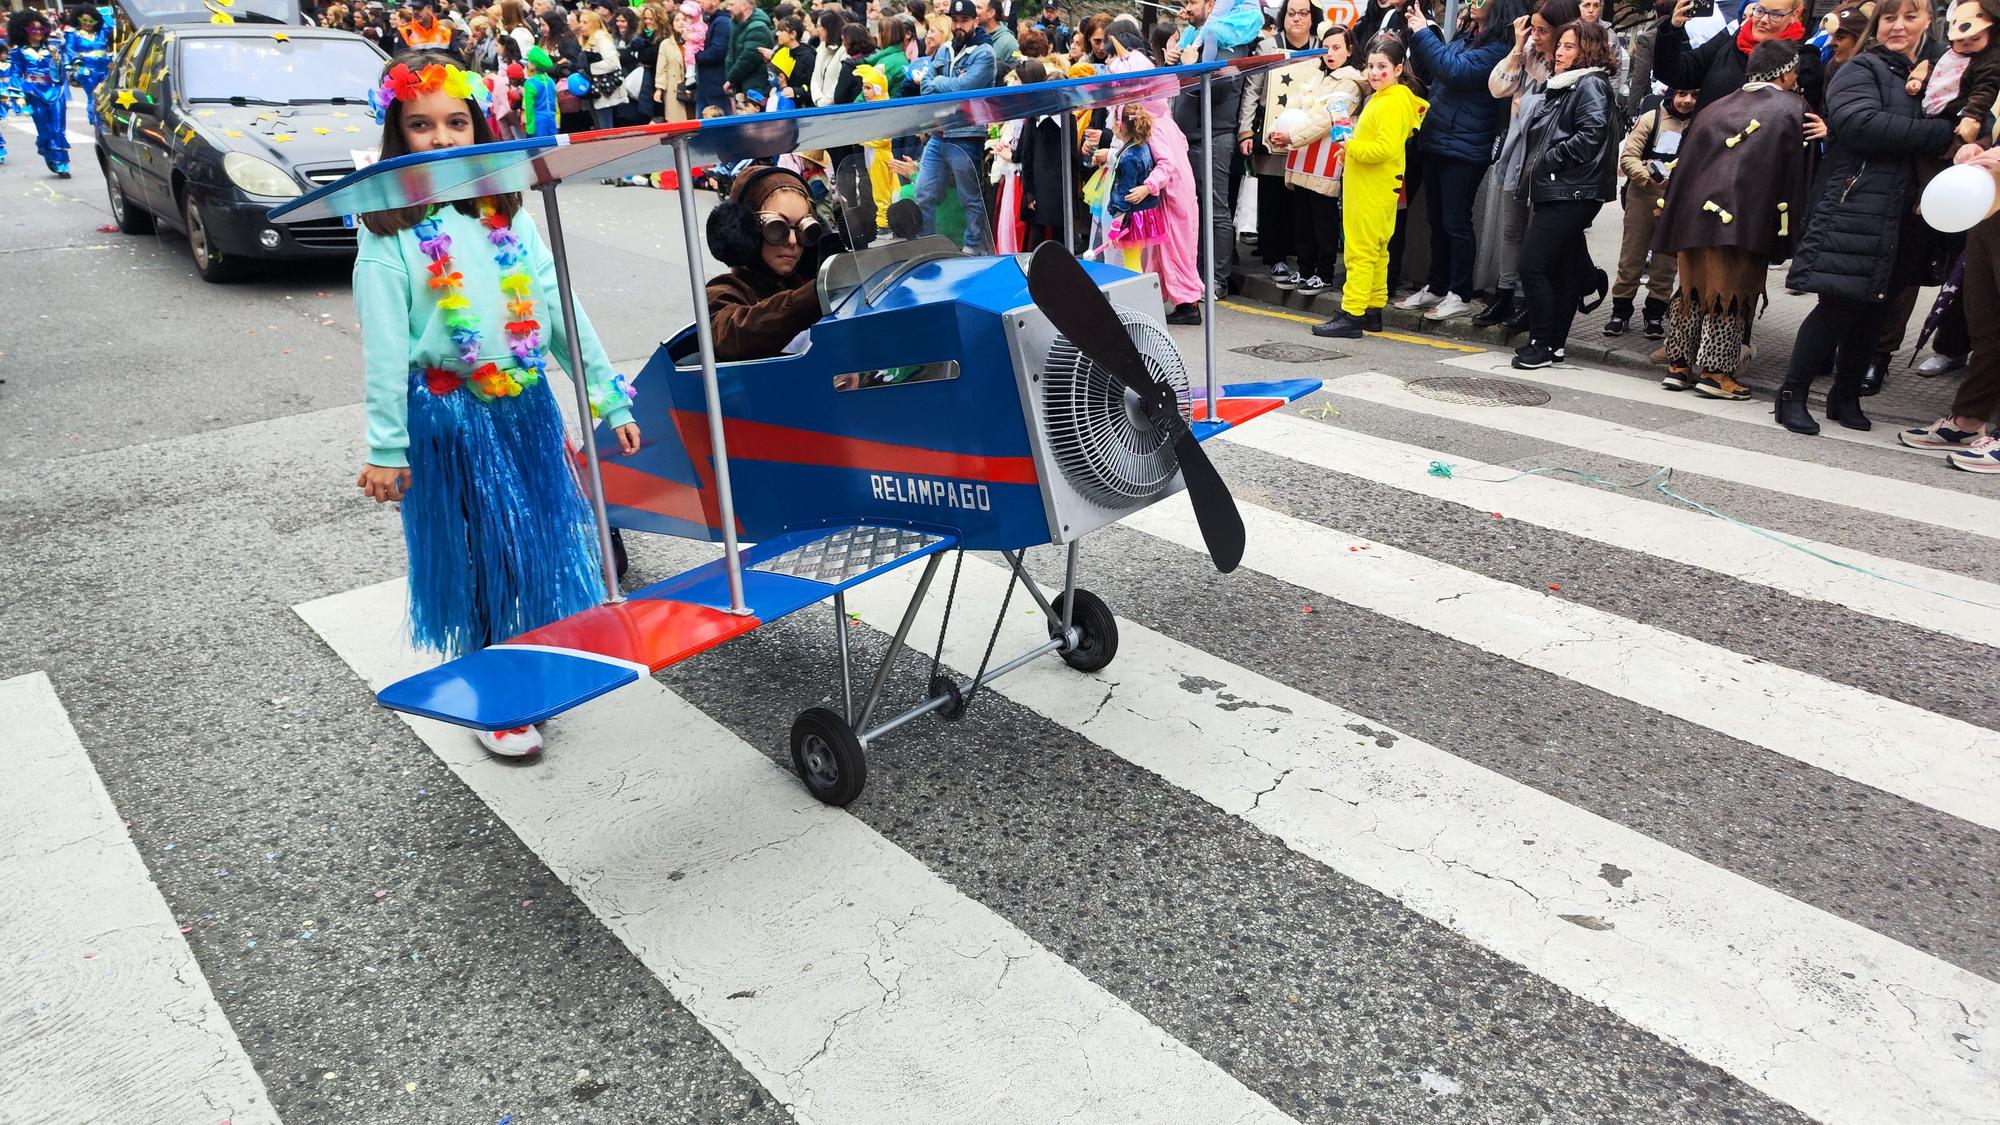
458	310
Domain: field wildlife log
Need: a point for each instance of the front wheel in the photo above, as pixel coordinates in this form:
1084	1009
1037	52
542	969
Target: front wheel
208	259
828	757
1096	632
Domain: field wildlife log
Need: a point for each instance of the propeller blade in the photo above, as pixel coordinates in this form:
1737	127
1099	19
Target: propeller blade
1080	310
1214	509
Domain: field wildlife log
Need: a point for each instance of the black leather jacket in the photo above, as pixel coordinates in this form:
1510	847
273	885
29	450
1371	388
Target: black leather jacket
1573	141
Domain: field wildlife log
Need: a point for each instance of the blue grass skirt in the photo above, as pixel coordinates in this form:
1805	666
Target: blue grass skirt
499	533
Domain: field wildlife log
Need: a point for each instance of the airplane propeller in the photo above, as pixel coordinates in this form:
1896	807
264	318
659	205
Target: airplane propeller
1079	310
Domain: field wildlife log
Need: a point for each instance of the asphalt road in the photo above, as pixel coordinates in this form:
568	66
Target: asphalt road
1542	800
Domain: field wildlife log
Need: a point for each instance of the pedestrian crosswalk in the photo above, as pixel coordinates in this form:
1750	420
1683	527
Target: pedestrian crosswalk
1361	832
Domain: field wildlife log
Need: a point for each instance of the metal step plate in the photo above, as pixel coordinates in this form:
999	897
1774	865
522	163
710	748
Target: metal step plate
847	553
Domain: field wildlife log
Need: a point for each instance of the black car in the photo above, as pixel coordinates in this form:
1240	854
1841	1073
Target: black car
206	127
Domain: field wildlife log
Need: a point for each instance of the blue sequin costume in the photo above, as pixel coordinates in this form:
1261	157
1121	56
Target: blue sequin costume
44	83
91	56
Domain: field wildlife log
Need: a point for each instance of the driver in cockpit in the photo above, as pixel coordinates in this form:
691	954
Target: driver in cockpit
767	234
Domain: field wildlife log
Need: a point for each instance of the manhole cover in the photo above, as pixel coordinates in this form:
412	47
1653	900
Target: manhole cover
1279	352
1477	392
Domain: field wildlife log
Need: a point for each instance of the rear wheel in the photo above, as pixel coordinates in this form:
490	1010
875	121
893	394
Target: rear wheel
208	258
131	219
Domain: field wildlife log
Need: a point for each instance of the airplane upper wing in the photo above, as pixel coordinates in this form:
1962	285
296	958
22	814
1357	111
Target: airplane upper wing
546	671
506	166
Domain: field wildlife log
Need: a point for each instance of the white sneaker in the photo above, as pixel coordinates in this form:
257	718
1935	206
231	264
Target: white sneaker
1311	285
1982	456
521	742
1452	306
1421	299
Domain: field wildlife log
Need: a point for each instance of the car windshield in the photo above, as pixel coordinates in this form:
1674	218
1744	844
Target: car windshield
277	72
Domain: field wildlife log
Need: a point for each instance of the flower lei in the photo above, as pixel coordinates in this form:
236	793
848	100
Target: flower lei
524	333
401	84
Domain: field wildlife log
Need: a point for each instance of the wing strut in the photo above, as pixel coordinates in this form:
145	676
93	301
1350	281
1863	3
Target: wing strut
705	338
566	296
1207	196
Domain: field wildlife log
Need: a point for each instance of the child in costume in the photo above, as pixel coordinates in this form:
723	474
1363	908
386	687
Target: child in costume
88	45
44	83
1651	146
538	95
1966	79
1133	219
454	302
1172	181
883	183
1372	189
1314	147
1734	205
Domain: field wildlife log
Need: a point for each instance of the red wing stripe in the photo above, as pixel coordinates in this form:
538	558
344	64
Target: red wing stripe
1237	411
633	489
644	631
761	441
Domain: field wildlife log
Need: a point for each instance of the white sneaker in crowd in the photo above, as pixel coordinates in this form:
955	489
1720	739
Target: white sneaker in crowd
1311	285
1452	306
1283	277
1982	456
521	742
1421	299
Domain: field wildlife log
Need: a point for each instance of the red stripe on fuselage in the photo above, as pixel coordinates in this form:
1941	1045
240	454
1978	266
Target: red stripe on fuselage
761	441
631	488
643	630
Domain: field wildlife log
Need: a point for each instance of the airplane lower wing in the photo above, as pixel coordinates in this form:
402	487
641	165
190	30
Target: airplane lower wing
1240	402
544	672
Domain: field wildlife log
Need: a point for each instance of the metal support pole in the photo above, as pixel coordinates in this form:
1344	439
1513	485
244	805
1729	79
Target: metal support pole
1208	205
1069	585
732	555
566	300
896	642
846	675
1069	181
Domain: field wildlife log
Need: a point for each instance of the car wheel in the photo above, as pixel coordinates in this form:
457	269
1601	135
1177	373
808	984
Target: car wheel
130	219
208	259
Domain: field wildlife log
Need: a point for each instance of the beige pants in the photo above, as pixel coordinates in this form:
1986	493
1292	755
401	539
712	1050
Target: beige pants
1639	223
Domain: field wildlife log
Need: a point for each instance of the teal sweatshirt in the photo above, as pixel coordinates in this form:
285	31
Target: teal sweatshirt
401	326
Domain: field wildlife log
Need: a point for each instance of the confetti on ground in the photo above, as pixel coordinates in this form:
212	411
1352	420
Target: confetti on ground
381	894
527	902
90	954
1498	516
1307	609
409	1087
1553	586
108	228
187	929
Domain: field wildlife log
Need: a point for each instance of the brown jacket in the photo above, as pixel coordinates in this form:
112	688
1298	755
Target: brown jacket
754	314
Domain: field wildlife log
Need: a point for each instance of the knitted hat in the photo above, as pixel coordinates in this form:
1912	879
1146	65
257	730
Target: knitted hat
540	59
1967	20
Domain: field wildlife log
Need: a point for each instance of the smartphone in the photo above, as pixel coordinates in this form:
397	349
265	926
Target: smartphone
1701	8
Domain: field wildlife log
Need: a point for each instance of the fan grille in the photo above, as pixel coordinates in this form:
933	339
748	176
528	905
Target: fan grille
1105	447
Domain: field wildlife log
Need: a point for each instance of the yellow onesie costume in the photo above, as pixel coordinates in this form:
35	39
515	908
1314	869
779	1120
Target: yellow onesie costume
883	183
1373	178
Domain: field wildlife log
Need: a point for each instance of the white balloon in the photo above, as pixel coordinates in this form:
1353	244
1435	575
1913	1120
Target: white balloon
1290	121
1960	198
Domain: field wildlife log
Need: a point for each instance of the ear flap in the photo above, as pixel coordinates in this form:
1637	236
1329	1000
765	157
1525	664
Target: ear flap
733	236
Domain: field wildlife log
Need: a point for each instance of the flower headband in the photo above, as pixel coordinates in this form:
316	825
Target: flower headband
401	84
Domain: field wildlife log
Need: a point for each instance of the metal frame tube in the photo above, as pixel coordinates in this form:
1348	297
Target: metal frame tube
846	666
1208	205
732	553
566	300
1034	590
964	688
896	642
1069	180
1069	585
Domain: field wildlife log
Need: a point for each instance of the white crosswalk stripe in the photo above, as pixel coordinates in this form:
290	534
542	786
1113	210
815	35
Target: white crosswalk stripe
1937	761
108	1017
826	958
1681	948
1938	600
1958	511
1649	392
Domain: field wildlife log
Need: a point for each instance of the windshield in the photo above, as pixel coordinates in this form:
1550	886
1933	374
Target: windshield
279	73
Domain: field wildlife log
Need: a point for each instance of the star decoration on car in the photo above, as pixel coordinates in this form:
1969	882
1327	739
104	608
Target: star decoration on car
126	99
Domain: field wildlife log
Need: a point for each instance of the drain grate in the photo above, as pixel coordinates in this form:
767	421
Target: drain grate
1466	391
1281	352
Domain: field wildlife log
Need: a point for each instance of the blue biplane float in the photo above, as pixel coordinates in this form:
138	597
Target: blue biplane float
942	402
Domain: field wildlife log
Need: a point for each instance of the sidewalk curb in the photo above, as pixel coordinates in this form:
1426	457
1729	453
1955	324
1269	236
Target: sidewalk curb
1326	303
